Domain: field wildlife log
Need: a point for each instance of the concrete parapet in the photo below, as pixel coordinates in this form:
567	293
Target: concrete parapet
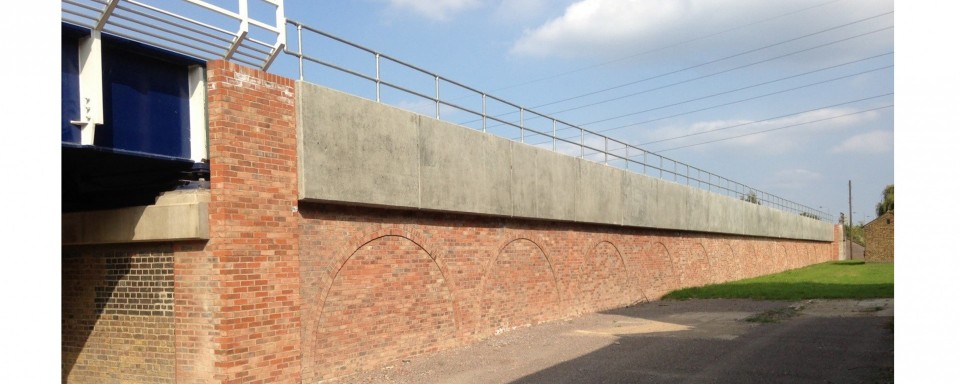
349	153
359	152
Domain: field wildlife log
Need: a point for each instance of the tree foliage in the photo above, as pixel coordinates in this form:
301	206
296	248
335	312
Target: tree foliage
886	204
856	233
751	198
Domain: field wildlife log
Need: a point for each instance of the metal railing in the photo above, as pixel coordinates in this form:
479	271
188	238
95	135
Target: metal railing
583	143
225	34
239	37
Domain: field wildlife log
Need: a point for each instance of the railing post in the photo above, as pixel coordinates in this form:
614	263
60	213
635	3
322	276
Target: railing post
521	125
554	135
581	143
626	154
300	48
644	162
483	101
606	150
436	84
377	57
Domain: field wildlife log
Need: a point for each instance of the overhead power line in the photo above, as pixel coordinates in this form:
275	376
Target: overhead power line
717	60
776	129
740	67
737	101
666	47
738	89
710	62
765	120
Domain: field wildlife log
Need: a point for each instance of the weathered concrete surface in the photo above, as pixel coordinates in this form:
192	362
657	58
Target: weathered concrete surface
694	341
177	215
462	170
599	193
356	151
349	153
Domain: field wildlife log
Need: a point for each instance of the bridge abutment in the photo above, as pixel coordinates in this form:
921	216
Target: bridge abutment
335	249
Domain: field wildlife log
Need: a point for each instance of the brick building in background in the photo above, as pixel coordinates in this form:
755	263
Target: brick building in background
878	235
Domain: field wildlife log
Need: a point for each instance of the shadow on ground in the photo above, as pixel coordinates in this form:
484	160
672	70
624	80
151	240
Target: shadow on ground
719	347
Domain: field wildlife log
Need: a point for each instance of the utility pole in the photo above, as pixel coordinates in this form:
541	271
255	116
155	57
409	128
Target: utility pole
850	217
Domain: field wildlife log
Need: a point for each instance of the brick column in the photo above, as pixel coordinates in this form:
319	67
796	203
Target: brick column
245	283
838	243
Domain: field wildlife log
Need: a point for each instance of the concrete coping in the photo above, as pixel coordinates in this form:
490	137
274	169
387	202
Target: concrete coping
177	215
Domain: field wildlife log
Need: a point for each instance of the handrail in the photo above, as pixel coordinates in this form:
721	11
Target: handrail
138	21
651	164
166	29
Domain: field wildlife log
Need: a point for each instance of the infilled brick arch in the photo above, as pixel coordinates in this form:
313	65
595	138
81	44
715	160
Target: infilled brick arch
791	254
803	254
693	265
783	260
519	288
747	253
766	260
603	278
714	261
387	301
659	269
726	266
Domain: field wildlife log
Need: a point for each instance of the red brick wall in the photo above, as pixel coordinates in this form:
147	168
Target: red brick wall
238	297
838	243
372	276
296	292
290	292
117	322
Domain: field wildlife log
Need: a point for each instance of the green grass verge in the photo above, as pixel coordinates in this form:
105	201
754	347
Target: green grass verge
831	280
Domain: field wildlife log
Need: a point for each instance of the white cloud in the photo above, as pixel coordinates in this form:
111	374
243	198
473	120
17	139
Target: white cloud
869	143
439	10
617	28
605	22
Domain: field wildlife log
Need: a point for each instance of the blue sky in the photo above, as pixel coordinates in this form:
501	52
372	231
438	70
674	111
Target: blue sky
791	98
697	81
473	41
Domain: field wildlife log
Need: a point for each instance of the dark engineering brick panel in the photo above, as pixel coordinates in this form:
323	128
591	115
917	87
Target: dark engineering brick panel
117	323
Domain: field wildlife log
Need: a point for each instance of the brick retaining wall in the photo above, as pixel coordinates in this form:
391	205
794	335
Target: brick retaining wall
380	285
295	292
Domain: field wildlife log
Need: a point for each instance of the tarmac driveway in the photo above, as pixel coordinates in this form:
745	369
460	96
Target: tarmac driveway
694	341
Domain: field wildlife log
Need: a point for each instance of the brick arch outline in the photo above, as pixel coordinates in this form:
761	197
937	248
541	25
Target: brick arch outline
714	263
706	255
792	253
765	262
694	244
735	262
364	238
752	267
528	237
784	255
623	262
674	277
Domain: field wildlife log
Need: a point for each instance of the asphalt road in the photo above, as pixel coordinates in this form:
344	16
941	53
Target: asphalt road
695	341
